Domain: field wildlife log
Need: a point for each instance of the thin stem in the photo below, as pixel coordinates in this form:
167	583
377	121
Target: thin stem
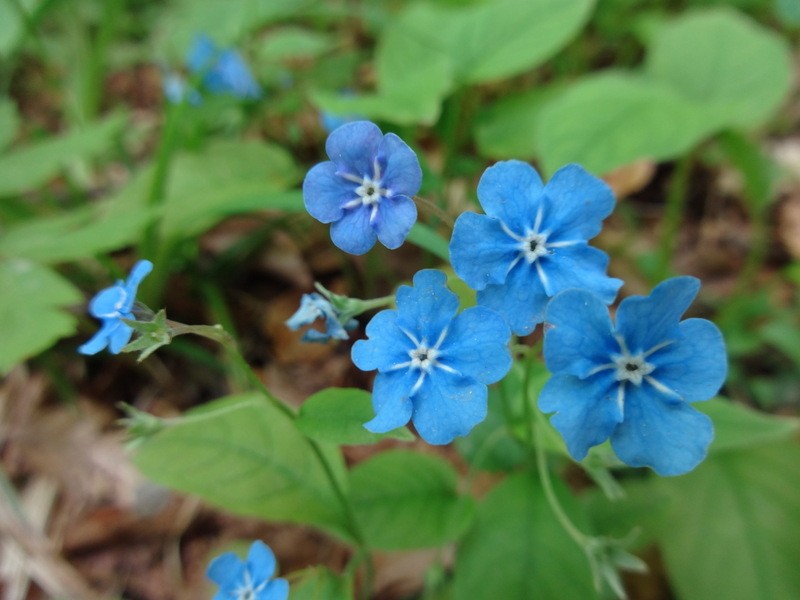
676	201
435	209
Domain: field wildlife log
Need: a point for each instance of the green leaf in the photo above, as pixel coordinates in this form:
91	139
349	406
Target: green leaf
734	532
12	23
735	71
338	415
31	166
517	548
407	500
738	428
243	454
608	120
31	318
320	583
9	122
429	239
290	43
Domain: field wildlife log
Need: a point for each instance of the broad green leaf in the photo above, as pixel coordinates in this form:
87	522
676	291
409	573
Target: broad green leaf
738	428
31	315
338	415
734	531
12	23
9	122
735	71
608	120
428	239
320	584
406	500
28	167
291	43
243	454
517	548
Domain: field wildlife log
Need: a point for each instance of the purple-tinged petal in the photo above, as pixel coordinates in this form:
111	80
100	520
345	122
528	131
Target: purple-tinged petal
353	232
580	266
521	300
119	336
578	203
477	345
646	321
425	309
386	346
481	252
109	302
395	217
391	400
448	406
579	336
672	438
261	562
586	410
693	367
400	170
511	190
226	570
354	146
325	192
277	589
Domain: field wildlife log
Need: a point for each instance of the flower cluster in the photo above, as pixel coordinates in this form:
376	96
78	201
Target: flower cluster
248	580
111	306
312	307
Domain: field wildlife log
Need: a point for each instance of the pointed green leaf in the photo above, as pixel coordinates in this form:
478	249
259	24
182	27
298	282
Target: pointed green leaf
737	427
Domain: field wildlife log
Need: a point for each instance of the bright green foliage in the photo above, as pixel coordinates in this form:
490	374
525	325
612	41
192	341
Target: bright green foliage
517	549
321	584
26	168
293	43
738	428
407	500
12	23
338	415
9	122
245	455
31	315
735	72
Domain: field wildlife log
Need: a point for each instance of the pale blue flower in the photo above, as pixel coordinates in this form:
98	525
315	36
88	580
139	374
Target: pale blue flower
248	580
365	191
111	305
222	71
634	381
433	364
312	307
532	241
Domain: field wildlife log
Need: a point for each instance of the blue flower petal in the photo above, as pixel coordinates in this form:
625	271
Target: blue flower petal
511	190
119	336
579	334
391	400
448	406
308	312
235	76
696	365
587	410
277	589
671	438
579	266
481	252
427	308
578	203
395	217
521	300
226	570
386	345
353	232
477	345
325	192
401	173
201	54
109	302
99	340
140	270
353	147
646	321
260	562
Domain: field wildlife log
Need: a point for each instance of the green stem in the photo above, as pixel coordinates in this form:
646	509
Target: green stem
435	209
676	202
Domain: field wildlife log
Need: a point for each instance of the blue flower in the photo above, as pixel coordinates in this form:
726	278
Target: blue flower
223	71
365	189
111	305
251	580
433	365
633	381
312	307
532	242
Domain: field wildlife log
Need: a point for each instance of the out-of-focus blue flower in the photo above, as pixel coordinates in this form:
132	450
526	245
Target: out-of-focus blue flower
312	307
433	364
633	381
365	190
111	305
248	580
532	242
222	71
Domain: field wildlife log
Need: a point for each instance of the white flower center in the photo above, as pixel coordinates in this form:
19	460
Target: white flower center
370	191
424	358
533	246
631	368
